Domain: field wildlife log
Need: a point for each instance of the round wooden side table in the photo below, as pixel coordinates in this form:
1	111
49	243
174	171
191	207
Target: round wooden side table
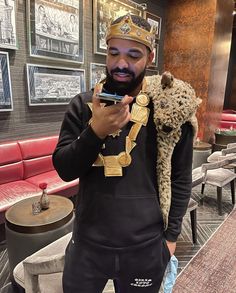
26	233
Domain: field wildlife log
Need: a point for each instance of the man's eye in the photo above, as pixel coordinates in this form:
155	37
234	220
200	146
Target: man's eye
134	55
113	53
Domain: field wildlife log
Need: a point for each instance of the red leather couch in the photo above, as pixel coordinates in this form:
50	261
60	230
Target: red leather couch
24	164
228	119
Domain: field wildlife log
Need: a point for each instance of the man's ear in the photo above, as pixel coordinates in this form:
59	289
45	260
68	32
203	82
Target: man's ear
150	58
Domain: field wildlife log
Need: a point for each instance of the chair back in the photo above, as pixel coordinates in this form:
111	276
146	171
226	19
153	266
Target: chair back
231	145
214	165
197	176
231	159
227	151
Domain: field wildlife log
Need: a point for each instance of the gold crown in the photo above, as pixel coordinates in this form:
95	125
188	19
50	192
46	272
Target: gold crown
126	29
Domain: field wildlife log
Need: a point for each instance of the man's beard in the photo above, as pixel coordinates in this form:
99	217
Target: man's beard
120	87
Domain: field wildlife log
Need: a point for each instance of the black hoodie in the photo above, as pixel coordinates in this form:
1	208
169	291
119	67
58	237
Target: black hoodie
121	212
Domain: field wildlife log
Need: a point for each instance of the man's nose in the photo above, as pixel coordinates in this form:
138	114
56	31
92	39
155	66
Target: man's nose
122	63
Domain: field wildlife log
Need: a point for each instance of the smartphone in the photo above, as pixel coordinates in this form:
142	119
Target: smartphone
110	97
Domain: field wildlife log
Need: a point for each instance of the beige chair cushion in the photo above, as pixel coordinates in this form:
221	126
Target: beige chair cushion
214	157
219	177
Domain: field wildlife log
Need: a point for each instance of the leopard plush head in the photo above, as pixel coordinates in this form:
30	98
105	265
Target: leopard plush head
174	100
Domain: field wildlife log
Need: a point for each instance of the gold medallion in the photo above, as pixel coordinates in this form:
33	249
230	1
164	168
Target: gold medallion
139	114
124	159
112	166
142	100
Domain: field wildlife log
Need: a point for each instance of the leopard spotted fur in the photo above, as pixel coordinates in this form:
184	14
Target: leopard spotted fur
175	103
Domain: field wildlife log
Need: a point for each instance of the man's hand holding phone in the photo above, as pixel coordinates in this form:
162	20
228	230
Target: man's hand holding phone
109	119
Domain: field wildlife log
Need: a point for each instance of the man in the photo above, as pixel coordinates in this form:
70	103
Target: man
43	23
126	228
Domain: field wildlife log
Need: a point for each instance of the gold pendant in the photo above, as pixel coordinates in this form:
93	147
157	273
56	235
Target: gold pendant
134	131
112	166
133	145
128	144
124	159
90	105
142	100
139	114
99	161
117	133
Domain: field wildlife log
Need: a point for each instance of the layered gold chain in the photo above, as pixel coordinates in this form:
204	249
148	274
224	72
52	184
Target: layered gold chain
113	164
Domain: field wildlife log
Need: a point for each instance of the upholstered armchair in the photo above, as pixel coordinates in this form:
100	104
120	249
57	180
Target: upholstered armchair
217	175
229	152
42	271
197	178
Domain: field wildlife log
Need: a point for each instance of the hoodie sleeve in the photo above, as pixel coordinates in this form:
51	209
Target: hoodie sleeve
181	182
78	146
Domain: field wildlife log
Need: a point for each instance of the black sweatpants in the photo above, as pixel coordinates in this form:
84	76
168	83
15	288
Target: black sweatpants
88	268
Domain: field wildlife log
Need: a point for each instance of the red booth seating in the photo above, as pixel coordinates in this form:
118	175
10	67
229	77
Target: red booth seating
24	164
228	119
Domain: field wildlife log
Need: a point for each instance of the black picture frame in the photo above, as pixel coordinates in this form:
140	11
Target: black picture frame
6	103
97	73
56	29
8	39
156	21
156	56
150	72
53	85
104	11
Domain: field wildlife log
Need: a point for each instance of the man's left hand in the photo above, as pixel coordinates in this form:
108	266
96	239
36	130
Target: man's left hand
171	246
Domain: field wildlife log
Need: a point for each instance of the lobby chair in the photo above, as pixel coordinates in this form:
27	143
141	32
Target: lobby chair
231	145
197	178
216	174
229	152
41	272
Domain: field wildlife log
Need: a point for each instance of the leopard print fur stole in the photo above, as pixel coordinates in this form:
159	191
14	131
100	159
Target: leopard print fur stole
175	103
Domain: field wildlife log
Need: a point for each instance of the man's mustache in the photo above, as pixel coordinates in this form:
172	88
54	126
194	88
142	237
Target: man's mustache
124	70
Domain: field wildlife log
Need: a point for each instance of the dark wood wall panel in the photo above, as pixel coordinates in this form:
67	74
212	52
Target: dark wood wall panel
188	45
230	93
25	121
191	52
219	66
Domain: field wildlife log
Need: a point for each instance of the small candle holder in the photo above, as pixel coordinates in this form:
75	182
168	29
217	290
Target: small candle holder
36	207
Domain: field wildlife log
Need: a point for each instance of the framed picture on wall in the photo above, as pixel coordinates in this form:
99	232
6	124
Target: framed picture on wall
155	58
6	103
8	24
104	11
56	29
97	73
53	85
154	20
150	72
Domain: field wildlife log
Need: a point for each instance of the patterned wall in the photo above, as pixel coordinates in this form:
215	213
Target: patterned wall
25	121
192	46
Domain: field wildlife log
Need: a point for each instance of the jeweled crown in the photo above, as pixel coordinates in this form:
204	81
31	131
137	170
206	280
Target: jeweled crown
127	29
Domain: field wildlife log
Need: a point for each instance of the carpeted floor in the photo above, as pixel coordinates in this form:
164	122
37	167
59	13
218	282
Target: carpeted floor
213	269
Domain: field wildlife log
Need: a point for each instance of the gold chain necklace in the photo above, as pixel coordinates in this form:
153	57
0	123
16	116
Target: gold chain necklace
139	115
